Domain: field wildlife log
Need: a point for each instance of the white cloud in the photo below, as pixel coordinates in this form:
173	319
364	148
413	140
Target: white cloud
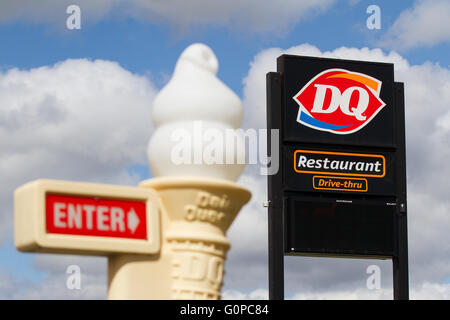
250	15
54	288
9	286
258	294
426	24
93	279
77	120
431	291
426	291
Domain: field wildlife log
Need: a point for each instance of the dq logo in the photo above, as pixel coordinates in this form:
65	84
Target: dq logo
339	101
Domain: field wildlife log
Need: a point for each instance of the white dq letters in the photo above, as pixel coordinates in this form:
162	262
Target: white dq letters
341	100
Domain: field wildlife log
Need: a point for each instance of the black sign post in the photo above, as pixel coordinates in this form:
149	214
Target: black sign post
341	186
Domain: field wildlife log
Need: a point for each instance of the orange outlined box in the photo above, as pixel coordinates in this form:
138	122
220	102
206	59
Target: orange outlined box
342	154
338	184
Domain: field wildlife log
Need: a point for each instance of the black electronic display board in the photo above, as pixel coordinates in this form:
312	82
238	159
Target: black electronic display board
341	185
330	227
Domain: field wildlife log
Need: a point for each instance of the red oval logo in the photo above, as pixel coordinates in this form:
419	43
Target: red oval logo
339	101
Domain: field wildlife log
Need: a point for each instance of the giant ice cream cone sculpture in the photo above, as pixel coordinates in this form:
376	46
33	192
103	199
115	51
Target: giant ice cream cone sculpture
198	197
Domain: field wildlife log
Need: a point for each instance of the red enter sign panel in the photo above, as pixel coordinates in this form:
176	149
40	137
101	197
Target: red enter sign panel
91	216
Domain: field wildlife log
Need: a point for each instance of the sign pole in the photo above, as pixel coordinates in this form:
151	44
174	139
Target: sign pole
400	260
276	256
275	212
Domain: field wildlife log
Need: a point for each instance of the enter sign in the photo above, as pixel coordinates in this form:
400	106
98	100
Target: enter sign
57	216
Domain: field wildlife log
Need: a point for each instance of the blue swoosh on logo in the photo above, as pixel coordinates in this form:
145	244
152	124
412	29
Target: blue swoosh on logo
319	124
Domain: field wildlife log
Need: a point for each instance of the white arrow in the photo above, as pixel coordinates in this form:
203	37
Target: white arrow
133	220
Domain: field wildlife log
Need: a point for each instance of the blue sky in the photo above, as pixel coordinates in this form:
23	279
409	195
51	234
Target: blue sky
149	44
148	48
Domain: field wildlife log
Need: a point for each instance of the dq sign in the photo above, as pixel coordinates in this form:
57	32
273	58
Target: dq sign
340	190
339	101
